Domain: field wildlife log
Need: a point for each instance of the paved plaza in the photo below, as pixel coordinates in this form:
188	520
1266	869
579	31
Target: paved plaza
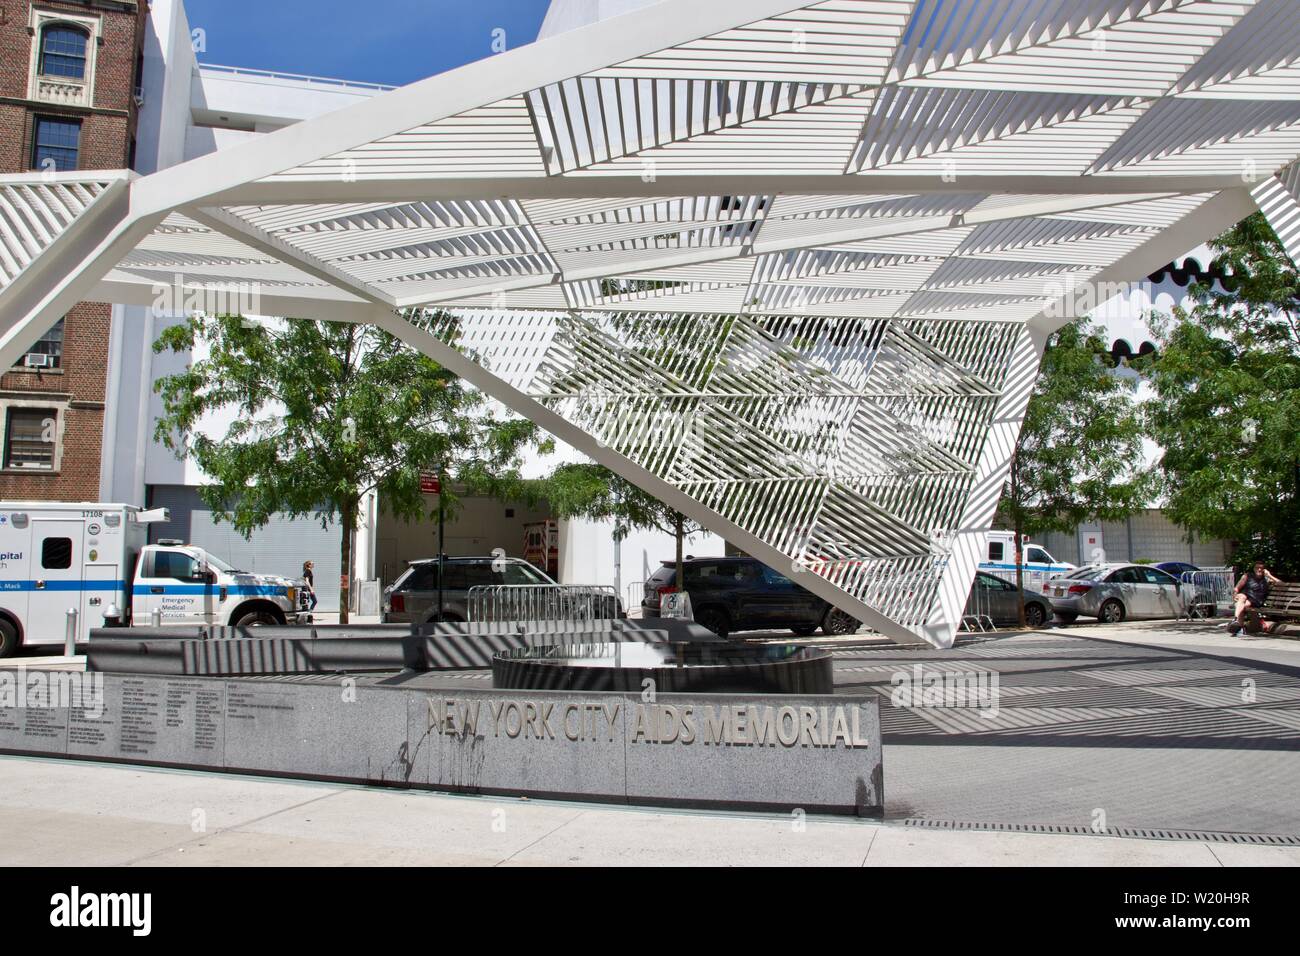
1146	726
1157	743
1113	727
63	813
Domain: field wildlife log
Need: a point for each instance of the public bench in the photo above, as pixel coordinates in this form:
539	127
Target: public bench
1283	603
1276	615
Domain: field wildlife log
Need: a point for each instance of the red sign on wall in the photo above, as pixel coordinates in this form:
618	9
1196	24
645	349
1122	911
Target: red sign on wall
429	484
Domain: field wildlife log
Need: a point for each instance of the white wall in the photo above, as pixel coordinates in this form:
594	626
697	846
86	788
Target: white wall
480	526
1147	536
161	132
587	554
168	67
178	95
564	15
262	103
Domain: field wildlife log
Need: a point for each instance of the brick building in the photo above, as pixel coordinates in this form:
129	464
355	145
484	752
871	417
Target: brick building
69	76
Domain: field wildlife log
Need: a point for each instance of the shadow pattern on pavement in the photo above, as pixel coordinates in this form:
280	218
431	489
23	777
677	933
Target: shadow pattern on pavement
1086	734
1047	690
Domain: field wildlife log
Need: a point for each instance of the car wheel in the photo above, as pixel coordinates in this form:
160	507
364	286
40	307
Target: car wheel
803	630
1035	615
838	623
1112	612
715	620
8	638
1066	617
256	619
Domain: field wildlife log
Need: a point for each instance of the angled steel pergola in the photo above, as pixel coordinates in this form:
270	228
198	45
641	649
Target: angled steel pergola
788	266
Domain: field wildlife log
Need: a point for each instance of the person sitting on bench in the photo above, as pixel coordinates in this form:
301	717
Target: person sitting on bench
1253	622
1251	594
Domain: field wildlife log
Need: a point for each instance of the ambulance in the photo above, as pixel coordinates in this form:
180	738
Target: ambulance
1037	566
94	559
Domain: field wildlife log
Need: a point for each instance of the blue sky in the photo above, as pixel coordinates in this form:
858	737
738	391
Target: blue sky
376	41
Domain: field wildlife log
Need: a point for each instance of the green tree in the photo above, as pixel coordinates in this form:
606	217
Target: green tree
1079	453
325	412
586	490
1227	401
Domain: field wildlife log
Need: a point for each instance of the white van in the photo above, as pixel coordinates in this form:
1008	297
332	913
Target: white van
92	558
1037	568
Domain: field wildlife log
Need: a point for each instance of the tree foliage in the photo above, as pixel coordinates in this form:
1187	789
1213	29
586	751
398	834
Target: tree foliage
1079	454
325	412
1226	408
587	490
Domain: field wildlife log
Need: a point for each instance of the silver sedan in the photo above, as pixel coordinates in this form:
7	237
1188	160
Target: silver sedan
1114	593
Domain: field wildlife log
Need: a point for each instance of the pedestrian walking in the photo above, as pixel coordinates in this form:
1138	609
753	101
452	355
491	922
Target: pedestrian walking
309	583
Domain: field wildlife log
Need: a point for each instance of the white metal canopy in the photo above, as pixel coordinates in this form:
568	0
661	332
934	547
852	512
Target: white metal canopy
789	266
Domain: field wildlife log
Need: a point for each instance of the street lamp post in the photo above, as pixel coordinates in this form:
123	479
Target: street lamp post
442	549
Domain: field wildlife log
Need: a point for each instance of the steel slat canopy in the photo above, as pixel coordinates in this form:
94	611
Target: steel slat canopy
790	267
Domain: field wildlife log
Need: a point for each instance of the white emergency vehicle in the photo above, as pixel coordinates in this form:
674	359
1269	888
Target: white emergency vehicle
1037	566
94	558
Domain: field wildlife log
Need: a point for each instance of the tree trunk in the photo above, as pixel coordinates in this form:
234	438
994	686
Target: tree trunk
1020	573
681	574
348	518
1018	524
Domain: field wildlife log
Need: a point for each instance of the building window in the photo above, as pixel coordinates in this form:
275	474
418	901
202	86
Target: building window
30	438
48	350
63	52
54	147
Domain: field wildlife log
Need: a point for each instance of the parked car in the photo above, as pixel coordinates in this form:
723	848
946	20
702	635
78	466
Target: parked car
743	594
1114	593
999	600
413	597
1177	568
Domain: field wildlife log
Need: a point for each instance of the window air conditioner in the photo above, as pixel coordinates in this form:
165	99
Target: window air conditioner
36	360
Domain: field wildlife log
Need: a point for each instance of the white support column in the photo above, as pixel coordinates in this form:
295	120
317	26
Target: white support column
584	442
1278	198
55	283
990	476
1202	224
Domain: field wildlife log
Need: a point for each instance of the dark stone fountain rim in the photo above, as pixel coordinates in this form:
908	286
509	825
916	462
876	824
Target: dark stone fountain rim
676	667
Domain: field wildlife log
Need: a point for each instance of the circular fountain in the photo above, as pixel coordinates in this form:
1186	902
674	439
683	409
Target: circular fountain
673	668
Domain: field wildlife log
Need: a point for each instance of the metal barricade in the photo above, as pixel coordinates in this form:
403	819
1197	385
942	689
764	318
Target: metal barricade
1207	592
542	602
977	615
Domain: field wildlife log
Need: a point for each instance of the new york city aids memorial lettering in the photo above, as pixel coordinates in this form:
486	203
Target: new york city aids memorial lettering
816	752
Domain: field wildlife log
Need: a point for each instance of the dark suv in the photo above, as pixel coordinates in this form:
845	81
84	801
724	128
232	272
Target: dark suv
411	599
742	594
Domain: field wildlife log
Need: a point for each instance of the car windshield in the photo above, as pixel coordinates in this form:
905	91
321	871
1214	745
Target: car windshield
216	562
519	572
465	573
1086	573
